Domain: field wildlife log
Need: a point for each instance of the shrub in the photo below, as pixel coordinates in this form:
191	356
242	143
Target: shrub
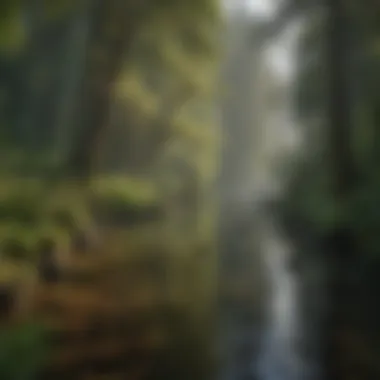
23	351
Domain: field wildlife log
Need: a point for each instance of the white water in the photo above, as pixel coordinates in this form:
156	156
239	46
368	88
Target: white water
280	357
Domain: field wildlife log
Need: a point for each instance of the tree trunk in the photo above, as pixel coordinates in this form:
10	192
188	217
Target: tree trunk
114	25
341	241
343	171
72	70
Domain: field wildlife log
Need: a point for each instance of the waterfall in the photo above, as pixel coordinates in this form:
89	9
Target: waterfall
288	346
260	134
281	353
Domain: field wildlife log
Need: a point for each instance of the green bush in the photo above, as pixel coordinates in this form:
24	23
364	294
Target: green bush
23	351
127	190
124	201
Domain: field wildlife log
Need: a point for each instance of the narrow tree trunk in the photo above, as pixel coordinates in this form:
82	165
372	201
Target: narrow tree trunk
114	25
74	44
341	241
343	171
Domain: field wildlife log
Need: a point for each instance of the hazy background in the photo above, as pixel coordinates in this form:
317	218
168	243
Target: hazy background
189	190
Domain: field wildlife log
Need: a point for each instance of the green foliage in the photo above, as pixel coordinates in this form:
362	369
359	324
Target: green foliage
14	249
125	199
166	90
29	213
364	216
126	189
21	242
21	209
310	194
23	351
171	68
18	162
12	29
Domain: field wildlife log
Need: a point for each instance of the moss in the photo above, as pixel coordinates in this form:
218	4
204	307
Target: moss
21	209
20	242
130	189
67	208
15	248
16	241
12	28
11	272
124	201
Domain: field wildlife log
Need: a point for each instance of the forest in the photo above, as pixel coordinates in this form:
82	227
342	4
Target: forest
138	228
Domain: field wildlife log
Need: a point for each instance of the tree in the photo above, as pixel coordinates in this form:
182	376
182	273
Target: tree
342	186
112	46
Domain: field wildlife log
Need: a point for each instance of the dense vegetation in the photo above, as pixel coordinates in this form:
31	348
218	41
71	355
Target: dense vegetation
108	141
333	198
108	128
99	107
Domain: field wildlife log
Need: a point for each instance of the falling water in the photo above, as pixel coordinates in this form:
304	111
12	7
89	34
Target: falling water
280	357
281	352
286	335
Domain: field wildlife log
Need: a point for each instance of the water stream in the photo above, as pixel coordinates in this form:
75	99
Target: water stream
281	351
275	344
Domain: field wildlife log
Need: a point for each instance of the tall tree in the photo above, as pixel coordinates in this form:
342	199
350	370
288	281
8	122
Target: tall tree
343	170
116	25
113	28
